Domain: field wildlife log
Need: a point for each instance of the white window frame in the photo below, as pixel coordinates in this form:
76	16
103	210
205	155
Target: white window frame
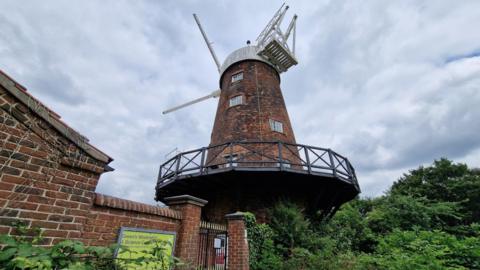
285	164
237	77
276	126
234	158
235	101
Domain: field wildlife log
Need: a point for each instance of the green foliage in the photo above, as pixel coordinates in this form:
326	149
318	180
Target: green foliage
429	219
301	258
153	258
290	227
348	230
260	238
406	212
21	252
444	182
424	250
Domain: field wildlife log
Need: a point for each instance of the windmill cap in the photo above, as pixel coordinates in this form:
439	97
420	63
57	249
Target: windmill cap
242	54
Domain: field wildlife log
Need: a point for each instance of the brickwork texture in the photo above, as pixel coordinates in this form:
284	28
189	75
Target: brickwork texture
237	242
46	180
48	176
262	102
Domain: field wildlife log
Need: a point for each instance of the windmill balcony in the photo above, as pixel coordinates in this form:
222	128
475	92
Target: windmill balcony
258	159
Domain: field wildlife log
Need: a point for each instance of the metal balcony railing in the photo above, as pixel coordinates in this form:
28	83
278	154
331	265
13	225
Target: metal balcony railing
262	156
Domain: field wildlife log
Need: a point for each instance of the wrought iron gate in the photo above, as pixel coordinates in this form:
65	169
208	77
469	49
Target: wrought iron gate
212	248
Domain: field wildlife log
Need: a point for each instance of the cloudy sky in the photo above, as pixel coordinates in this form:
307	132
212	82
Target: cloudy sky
389	84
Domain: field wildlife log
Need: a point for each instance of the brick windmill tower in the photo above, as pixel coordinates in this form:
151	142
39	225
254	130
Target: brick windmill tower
253	159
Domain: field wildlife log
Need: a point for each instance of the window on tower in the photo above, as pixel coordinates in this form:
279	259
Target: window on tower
276	126
285	164
231	160
236	100
237	77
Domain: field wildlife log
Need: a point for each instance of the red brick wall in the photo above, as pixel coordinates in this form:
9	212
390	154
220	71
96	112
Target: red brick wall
48	180
263	100
188	234
109	214
45	180
237	242
250	121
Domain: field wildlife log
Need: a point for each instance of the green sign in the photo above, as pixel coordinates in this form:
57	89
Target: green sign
150	249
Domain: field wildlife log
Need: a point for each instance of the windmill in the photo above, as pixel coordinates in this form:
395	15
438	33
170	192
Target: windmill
271	45
253	159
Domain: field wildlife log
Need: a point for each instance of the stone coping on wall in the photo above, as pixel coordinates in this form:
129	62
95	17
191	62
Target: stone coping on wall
118	203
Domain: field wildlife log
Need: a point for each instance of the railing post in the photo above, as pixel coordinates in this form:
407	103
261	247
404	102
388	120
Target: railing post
347	164
280	155
177	166
351	172
230	159
160	173
334	170
202	160
307	158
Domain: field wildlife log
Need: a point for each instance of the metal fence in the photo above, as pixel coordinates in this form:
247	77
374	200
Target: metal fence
212	248
258	155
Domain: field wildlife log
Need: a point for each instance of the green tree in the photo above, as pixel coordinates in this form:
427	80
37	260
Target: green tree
348	229
444	181
423	250
290	227
263	255
427	220
406	213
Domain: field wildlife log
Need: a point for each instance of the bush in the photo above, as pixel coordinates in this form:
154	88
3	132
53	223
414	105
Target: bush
263	254
22	252
428	220
290	228
424	250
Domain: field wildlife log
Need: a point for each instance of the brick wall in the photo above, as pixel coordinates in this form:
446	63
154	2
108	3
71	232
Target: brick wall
250	121
188	234
237	242
109	214
263	100
46	179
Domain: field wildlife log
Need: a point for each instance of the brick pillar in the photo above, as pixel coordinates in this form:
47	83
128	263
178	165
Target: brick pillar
237	242
188	236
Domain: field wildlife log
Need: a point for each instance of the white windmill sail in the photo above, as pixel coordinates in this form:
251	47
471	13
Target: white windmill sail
271	46
272	42
214	94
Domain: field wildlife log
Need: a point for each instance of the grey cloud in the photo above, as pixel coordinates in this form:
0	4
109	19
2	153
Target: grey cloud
56	85
453	58
39	68
391	85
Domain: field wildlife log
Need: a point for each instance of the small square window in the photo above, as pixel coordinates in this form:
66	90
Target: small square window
276	126
285	164
231	160
236	100
237	77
